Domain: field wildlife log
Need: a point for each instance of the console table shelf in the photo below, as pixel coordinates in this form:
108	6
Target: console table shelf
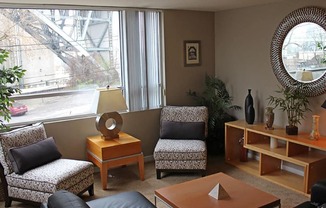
268	162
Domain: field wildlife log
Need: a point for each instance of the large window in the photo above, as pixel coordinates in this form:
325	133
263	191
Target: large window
69	53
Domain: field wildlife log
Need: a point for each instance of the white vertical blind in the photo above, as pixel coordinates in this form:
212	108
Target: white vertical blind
143	57
153	40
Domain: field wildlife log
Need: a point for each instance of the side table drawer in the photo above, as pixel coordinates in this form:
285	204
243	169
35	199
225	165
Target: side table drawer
121	150
109	149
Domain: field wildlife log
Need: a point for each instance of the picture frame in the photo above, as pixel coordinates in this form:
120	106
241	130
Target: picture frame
192	53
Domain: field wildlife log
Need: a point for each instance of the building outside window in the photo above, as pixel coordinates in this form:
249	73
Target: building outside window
69	53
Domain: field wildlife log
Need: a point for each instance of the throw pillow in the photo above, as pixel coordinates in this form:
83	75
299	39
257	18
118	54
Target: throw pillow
64	198
182	130
16	138
34	155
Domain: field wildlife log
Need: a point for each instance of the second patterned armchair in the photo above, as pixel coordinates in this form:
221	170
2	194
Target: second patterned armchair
181	146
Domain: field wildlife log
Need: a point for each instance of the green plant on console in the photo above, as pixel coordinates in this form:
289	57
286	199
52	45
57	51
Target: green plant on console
294	102
218	101
8	78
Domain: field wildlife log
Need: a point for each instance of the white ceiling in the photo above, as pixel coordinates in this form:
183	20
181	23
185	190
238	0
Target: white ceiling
199	5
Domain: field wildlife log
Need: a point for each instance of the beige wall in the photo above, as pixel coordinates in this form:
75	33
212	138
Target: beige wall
242	56
179	26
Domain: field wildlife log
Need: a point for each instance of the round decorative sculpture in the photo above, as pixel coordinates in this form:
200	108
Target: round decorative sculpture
307	14
115	123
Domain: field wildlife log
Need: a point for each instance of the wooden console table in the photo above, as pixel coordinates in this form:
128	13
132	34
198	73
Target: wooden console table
267	162
115	152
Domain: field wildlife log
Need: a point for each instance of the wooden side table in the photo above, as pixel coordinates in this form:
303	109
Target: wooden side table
115	152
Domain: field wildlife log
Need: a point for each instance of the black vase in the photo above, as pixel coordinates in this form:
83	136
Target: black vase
249	108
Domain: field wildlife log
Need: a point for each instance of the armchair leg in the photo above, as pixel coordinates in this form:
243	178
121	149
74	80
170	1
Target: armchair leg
8	202
91	190
203	173
158	174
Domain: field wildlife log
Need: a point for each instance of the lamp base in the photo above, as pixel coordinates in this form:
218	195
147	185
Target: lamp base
112	130
110	137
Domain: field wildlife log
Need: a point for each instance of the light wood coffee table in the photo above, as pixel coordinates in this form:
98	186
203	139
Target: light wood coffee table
194	193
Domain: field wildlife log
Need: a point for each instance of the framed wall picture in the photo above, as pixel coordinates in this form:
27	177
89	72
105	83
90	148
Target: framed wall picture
192	53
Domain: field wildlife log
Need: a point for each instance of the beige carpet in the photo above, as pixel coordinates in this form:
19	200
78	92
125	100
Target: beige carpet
126	179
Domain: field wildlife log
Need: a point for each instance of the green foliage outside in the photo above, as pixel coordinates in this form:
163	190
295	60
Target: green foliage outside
219	103
8	78
323	48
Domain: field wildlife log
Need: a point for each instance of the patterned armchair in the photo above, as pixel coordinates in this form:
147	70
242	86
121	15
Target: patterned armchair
32	169
181	146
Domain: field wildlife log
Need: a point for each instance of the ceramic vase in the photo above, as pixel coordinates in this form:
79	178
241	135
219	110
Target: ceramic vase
269	118
273	143
249	108
314	135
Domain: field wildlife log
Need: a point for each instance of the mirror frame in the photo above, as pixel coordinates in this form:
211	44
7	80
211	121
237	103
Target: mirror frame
306	14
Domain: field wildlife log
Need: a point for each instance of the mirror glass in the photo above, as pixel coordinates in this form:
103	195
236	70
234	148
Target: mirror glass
304	52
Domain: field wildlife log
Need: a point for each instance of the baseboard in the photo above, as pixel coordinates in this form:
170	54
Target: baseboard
149	158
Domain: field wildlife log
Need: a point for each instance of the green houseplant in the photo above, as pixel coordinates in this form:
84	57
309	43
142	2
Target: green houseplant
218	101
8	78
294	102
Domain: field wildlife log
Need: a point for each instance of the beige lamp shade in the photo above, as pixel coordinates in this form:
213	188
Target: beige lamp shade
110	100
304	75
109	123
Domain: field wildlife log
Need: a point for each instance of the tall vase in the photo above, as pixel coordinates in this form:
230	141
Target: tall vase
269	118
314	135
249	108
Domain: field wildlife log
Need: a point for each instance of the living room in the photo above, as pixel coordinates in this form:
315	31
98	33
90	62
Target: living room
235	47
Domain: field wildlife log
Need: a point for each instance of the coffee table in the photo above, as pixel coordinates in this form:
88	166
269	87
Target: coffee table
194	193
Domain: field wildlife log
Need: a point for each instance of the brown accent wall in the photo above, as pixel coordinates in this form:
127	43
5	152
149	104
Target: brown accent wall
178	27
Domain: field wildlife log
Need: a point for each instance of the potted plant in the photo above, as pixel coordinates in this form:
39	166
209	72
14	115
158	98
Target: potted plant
294	102
8	78
218	102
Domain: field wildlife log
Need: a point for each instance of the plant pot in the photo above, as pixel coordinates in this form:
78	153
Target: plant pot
291	130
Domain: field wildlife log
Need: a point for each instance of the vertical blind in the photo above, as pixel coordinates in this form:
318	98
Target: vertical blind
142	31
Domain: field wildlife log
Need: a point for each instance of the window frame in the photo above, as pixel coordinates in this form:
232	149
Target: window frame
124	72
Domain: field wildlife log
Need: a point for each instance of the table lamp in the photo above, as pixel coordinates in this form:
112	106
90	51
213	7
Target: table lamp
304	75
109	121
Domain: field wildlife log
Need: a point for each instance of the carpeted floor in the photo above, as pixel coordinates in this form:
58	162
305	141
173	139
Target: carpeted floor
126	179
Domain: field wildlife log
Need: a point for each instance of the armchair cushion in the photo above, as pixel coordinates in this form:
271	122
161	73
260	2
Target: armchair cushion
175	150
34	155
53	176
182	130
64	198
